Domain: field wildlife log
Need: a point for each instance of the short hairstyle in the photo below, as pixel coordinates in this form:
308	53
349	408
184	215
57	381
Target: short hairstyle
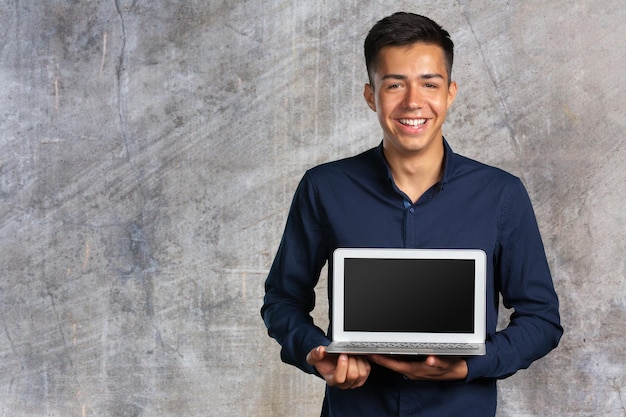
401	29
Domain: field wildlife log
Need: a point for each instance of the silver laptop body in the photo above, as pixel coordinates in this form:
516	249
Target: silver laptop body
408	301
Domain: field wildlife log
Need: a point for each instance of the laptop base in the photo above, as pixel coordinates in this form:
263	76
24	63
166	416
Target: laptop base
390	348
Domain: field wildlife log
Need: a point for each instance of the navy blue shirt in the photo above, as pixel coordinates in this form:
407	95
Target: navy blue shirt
354	202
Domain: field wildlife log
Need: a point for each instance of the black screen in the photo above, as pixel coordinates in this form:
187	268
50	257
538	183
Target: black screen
409	295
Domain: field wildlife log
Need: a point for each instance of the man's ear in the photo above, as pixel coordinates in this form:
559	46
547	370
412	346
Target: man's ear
452	90
370	96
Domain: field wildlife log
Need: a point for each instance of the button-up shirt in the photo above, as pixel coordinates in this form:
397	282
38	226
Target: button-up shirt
354	202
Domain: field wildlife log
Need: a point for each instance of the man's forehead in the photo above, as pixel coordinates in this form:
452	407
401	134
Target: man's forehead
423	48
429	56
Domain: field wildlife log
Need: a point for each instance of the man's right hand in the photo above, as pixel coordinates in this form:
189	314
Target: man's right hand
342	371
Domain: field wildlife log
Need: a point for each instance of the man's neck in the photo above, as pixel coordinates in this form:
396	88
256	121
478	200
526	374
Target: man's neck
415	173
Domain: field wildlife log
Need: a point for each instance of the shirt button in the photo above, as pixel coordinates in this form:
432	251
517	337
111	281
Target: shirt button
411	210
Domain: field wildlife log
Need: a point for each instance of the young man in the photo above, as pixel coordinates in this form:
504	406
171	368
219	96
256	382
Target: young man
412	191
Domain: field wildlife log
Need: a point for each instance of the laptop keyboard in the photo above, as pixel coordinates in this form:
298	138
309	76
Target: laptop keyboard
406	345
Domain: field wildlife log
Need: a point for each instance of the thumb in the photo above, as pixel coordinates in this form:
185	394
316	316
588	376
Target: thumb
431	361
316	355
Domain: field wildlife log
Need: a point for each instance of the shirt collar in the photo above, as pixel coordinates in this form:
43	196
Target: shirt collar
448	160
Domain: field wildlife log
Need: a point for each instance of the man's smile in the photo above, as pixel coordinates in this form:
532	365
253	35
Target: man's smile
412	122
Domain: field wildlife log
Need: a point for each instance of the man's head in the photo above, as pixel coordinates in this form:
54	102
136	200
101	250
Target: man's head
409	60
403	29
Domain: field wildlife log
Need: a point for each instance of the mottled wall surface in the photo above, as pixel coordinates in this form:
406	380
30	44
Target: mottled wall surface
148	156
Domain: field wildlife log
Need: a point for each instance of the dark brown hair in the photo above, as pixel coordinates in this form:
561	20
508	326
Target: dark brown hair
401	29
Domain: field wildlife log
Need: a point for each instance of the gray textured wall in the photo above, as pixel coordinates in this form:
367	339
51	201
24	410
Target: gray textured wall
149	152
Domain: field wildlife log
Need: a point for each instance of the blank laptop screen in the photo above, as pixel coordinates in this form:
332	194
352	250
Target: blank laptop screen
409	295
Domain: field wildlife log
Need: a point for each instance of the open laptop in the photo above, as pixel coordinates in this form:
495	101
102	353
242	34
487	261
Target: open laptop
408	301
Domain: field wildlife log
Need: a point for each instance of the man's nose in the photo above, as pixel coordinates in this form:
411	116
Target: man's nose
413	98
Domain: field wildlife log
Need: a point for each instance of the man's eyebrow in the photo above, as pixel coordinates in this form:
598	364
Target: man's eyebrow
394	77
404	77
431	76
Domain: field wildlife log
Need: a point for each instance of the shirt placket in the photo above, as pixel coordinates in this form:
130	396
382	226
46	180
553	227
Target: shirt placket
410	226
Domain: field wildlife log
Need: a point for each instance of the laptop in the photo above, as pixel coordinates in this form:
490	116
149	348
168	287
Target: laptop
408	301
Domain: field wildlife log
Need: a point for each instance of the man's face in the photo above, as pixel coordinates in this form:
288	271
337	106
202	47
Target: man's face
411	95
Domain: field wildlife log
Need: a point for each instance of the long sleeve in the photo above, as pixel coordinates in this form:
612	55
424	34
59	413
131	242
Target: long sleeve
290	295
523	277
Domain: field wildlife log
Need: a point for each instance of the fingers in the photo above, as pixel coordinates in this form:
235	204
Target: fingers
432	368
391	363
342	370
351	372
364	368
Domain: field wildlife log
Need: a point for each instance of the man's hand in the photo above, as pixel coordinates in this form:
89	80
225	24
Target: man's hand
343	371
434	368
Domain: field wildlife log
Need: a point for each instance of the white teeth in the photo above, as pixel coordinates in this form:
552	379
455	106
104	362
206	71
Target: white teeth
413	122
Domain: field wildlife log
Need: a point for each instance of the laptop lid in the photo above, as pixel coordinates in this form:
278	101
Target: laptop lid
409	295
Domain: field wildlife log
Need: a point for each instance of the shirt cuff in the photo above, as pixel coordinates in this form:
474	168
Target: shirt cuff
477	367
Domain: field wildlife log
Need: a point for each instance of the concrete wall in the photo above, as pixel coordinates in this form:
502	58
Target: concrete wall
149	152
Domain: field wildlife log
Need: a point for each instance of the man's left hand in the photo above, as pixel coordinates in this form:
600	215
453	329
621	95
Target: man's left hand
434	368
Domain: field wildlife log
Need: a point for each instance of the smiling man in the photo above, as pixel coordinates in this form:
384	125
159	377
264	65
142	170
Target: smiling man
411	91
412	191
